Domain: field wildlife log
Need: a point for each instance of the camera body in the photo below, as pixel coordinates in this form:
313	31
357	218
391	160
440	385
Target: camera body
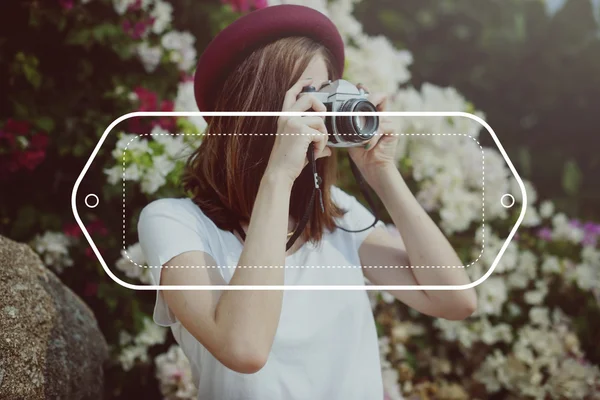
346	131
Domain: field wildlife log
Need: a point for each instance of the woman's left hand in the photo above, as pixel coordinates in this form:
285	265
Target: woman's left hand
379	153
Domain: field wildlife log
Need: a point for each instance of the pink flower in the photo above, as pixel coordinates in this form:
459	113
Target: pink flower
545	234
30	159
72	230
66	4
39	141
138	30
89	253
8	138
17	127
91	289
97	227
148	99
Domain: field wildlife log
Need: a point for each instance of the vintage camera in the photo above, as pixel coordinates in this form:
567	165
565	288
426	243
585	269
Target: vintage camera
346	131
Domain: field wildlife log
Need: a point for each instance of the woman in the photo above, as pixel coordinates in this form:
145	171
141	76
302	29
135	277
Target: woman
285	344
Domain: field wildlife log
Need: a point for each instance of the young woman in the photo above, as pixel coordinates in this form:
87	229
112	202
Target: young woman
250	172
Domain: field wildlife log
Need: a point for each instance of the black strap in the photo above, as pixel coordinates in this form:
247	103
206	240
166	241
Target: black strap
364	188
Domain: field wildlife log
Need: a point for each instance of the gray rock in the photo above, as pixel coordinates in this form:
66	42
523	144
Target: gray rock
50	343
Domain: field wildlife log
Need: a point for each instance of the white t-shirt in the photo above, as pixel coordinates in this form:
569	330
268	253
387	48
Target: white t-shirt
325	346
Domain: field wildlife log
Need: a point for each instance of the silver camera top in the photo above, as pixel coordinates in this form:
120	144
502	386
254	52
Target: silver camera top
336	91
343	96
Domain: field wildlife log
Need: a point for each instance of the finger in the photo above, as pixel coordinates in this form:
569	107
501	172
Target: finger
373	142
325	153
317	137
363	87
315	123
379	100
292	94
308	102
386	126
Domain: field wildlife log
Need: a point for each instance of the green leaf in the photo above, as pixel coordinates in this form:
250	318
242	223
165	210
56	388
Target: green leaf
572	177
524	157
104	32
32	76
44	123
78	37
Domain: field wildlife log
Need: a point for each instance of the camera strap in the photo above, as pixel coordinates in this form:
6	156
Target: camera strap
364	188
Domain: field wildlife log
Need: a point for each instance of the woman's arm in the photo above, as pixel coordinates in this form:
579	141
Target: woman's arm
423	244
239	326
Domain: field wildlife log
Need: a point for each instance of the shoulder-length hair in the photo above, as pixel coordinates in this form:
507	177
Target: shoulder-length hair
223	175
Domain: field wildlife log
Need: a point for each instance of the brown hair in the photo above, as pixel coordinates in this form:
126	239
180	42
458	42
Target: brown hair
223	175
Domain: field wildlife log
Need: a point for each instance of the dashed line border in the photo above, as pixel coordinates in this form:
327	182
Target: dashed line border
303	266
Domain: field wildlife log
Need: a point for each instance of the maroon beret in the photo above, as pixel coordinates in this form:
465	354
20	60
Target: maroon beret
234	43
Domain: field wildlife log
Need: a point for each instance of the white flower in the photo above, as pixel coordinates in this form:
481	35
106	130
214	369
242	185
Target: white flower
587	276
537	296
319	5
174	373
456	331
487	373
129	355
132	143
387	297
384	346
181	45
341	14
563	230
132	263
546	209
551	265
186	101
151	334
573	380
377	61
174	145
121	6
132	173
162	13
149	55
164	164
540	316
137	349
152	180
492	296
590	255
390	383
53	248
491	334
114	174
525	271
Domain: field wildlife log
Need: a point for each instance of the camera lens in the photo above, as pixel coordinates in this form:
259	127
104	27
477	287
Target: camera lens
360	127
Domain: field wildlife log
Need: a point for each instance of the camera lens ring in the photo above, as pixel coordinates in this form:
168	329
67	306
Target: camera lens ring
357	129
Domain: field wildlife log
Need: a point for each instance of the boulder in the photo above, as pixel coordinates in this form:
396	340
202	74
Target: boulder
50	343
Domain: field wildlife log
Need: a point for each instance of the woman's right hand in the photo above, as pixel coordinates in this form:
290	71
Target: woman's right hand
295	134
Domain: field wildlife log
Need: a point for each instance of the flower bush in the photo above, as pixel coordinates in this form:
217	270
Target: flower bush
533	334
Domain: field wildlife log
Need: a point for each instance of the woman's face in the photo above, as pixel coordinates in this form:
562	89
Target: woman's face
317	70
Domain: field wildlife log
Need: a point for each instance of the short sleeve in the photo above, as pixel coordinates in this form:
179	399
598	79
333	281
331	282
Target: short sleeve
168	228
357	216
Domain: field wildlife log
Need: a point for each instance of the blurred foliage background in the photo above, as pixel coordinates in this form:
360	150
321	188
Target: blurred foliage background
68	68
535	75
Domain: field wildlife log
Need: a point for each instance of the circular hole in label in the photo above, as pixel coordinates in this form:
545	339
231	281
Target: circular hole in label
91	200
507	201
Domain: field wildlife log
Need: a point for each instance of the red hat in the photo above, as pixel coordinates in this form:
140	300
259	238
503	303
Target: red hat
234	43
